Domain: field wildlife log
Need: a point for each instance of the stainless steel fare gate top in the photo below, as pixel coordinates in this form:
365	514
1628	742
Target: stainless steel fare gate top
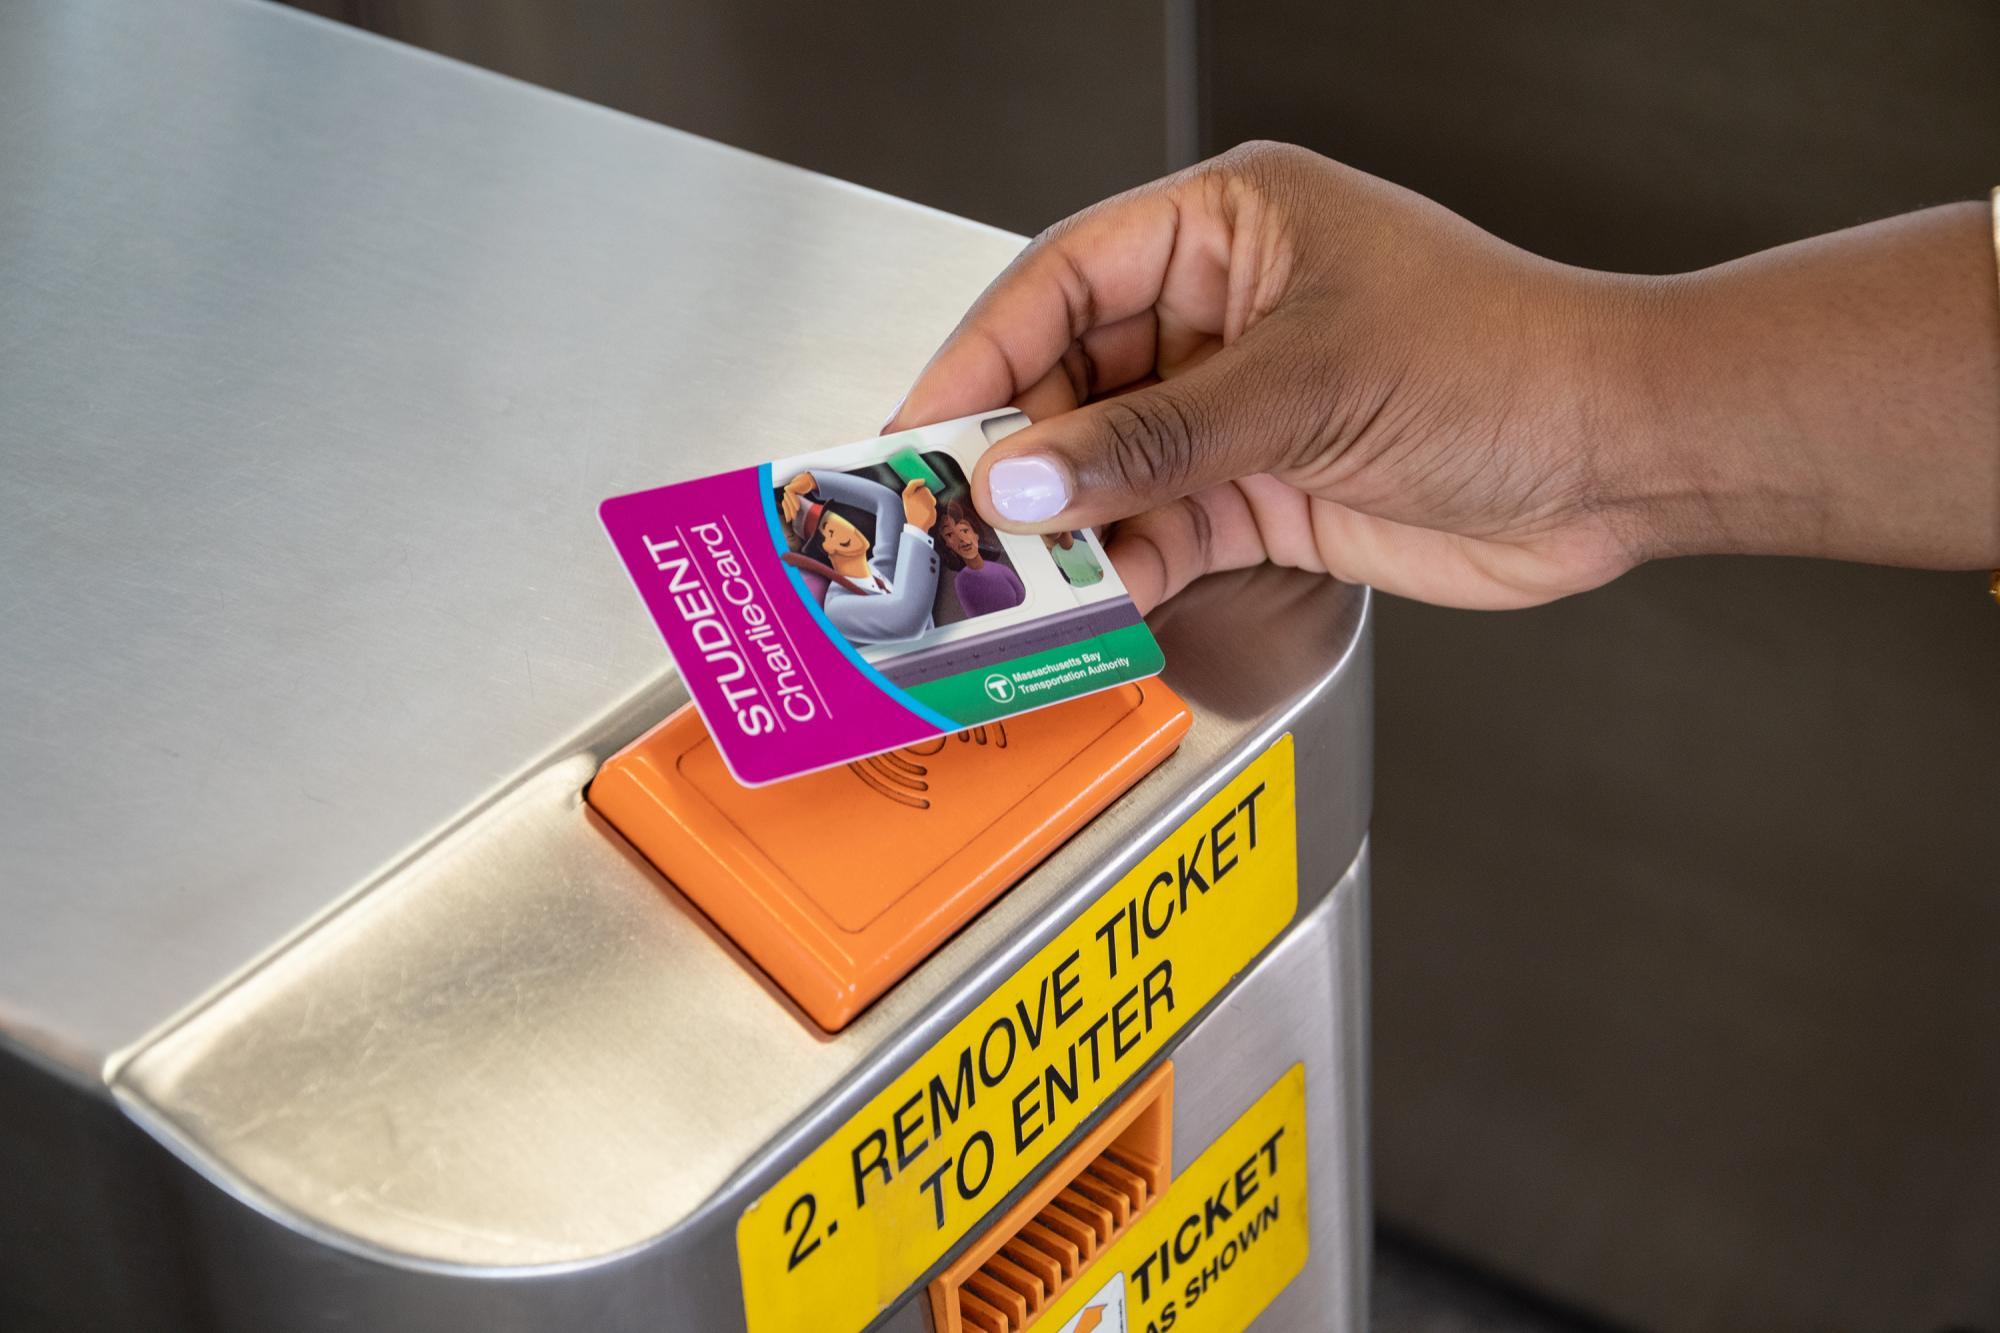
319	353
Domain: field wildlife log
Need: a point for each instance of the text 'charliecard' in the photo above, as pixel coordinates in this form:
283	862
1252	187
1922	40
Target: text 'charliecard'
832	606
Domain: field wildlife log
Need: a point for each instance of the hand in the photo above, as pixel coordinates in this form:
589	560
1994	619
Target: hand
793	497
1330	372
919	506
1271	356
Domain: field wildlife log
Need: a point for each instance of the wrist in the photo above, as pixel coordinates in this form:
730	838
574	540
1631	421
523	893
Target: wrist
1705	449
1837	397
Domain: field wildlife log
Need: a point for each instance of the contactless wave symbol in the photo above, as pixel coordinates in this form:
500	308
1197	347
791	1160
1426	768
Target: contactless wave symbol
904	777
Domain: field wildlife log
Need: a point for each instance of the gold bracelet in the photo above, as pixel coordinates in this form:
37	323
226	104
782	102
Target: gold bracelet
1993	583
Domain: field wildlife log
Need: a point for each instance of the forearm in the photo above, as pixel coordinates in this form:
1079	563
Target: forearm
1838	397
859	491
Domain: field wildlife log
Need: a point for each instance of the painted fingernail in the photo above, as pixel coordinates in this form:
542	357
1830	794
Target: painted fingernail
894	412
1028	488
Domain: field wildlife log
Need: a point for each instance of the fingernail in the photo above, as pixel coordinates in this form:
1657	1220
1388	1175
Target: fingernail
894	412
1028	488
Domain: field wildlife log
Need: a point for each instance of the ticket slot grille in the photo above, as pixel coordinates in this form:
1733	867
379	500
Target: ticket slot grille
1048	1240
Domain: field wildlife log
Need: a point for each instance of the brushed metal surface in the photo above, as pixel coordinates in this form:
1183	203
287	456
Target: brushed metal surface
1307	1002
1304	1000
523	1049
316	355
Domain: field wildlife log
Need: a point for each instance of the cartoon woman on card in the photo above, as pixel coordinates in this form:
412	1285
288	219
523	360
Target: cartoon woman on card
981	577
872	546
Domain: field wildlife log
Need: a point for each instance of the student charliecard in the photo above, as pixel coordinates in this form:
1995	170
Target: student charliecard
835	605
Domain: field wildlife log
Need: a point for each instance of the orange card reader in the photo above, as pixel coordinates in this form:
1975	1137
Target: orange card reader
839	882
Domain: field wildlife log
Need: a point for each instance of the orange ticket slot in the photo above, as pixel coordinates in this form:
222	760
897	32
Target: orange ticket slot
839	882
1140	1131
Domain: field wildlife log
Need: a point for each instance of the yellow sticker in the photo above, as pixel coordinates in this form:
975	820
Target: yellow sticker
1225	1238
872	1208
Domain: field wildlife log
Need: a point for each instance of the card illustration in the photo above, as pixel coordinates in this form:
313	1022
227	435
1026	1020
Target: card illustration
847	531
871	550
1072	554
983	579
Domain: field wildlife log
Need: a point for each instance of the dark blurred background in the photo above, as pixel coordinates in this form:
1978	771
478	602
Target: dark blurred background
1687	909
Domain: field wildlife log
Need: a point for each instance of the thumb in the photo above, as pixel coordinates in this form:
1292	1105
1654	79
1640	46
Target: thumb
1126	455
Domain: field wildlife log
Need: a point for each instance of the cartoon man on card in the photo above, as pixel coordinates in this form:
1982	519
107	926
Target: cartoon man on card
872	546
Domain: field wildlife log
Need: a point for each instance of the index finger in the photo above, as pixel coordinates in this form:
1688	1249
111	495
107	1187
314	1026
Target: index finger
1105	264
